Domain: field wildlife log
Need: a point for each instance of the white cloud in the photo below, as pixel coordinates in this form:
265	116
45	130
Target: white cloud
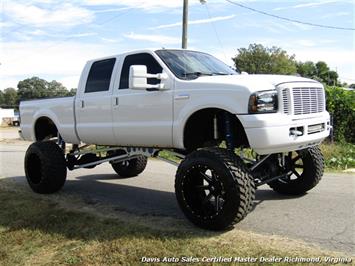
160	39
110	40
51	59
311	4
69	81
61	36
338	14
194	22
265	25
57	15
112	10
305	43
152	5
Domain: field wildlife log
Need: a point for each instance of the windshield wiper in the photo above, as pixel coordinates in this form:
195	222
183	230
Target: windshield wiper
220	74
197	74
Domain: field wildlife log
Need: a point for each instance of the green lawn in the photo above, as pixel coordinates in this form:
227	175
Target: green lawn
338	156
36	231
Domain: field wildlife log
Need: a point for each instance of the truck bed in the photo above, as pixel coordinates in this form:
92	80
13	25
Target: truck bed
60	110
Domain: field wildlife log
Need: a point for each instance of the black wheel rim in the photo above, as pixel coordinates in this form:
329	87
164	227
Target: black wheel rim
125	164
203	191
294	167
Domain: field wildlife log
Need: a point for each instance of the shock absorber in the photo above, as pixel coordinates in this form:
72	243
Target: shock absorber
60	142
228	131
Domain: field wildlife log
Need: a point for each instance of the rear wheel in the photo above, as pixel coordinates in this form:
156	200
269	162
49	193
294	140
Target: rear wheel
305	170
213	188
45	167
130	168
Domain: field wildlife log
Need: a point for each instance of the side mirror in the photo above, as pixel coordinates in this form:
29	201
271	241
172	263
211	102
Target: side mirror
138	78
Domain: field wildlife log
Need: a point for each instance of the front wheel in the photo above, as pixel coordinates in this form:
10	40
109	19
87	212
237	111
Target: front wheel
213	188
305	170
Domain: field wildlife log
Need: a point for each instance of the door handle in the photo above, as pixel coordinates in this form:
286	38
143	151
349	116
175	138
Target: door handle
182	97
116	101
82	104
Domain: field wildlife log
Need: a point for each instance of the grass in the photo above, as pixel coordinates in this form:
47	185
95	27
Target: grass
338	156
36	231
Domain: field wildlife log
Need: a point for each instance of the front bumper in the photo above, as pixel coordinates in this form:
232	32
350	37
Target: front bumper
274	133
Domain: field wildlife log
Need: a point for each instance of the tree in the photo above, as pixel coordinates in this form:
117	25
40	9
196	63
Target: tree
307	69
319	71
332	78
10	98
322	70
35	88
2	99
32	88
56	89
257	59
72	92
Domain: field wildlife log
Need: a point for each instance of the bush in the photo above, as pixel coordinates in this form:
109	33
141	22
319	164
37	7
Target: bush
341	106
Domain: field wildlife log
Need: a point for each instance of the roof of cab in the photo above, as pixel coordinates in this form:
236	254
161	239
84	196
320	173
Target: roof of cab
147	50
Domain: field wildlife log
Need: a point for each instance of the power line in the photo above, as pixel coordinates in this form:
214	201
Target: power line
288	19
215	30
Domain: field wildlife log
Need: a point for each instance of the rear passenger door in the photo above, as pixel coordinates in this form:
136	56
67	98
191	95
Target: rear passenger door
94	104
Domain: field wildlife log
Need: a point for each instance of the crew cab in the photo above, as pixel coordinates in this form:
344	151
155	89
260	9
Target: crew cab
133	105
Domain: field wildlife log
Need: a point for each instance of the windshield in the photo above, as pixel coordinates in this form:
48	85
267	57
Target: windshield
191	64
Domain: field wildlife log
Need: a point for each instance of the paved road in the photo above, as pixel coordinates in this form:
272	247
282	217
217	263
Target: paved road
325	216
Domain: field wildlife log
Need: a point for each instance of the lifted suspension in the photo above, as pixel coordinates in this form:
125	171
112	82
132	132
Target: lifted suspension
228	131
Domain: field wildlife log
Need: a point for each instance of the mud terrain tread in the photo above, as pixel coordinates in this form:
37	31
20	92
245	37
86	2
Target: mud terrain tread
135	167
241	178
52	171
310	176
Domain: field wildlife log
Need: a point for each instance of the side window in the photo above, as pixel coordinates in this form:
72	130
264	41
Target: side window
148	60
100	75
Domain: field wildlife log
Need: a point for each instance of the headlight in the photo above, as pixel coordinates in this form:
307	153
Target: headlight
263	102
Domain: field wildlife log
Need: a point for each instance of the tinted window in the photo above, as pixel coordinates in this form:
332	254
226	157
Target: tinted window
148	60
100	75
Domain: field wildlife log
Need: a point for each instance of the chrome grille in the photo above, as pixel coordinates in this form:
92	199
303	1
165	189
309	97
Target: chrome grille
285	101
306	100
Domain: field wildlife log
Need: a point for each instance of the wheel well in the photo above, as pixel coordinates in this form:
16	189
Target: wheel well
199	129
45	129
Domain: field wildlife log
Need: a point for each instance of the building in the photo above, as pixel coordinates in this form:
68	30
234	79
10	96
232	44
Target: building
7	116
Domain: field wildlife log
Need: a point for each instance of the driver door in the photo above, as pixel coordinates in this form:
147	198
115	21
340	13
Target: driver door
140	117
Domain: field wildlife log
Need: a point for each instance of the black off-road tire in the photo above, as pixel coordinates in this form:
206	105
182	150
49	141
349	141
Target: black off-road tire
229	185
130	168
312	171
45	167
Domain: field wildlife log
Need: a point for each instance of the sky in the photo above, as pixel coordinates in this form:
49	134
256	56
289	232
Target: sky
53	39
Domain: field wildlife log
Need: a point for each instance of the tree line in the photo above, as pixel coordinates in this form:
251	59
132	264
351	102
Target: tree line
257	59
33	88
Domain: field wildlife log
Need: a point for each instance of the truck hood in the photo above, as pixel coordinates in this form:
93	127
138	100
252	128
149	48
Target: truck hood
253	82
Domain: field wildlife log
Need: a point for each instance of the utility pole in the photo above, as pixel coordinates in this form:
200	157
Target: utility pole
185	18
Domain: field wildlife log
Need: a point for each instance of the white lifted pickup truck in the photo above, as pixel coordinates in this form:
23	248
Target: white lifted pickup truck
134	105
